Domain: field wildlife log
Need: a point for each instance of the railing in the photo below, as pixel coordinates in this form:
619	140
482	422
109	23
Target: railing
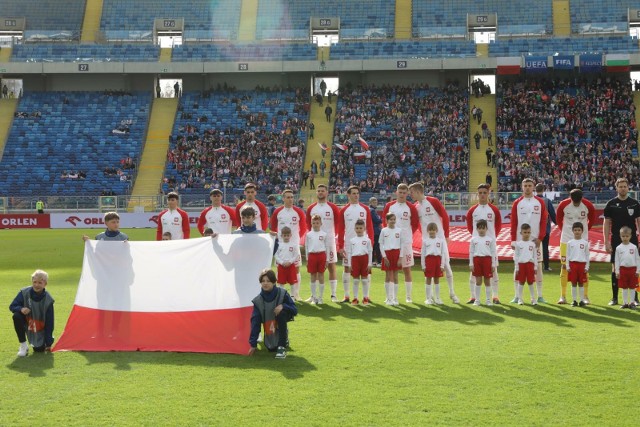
194	202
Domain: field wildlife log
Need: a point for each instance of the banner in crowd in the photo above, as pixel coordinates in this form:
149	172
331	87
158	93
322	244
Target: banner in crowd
183	295
535	64
25	221
564	62
617	63
508	65
460	238
590	63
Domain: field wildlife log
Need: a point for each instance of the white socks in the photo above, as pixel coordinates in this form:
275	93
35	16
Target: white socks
345	282
409	288
494	284
356	284
313	286
365	288
334	287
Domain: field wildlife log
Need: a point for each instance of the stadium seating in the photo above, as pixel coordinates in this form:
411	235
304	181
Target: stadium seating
566	132
72	137
47	19
413	134
562	45
245	52
289	19
432	18
593	16
403	49
203	19
250	136
85	53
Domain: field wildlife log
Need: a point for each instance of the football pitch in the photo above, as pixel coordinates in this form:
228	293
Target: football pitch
453	364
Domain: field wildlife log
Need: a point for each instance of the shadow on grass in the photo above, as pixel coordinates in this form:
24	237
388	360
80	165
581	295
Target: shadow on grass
408	313
36	364
565	315
293	367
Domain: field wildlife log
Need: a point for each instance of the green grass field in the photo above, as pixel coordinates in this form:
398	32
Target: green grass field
379	365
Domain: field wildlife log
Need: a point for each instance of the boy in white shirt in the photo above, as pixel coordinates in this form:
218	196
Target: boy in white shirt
287	259
577	264
360	259
433	258
316	247
525	258
627	266
391	241
482	260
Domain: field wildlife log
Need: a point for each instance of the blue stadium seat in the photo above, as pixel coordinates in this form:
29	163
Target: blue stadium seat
72	137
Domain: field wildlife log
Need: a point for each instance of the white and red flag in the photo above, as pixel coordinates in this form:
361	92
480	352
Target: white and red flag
363	143
220	150
180	295
341	146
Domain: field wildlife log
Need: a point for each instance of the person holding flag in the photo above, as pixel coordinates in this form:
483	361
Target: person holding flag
262	217
217	217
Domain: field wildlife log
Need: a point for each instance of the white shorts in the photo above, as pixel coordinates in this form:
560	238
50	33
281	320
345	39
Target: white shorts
446	258
346	261
406	255
332	256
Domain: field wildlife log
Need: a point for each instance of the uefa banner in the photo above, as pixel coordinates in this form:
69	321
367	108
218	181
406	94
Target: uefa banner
535	64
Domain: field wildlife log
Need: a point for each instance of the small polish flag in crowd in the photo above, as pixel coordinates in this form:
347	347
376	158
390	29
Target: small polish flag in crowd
220	150
341	146
359	154
363	143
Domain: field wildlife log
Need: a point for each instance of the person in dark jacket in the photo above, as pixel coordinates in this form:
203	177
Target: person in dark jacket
552	218
377	227
273	308
33	315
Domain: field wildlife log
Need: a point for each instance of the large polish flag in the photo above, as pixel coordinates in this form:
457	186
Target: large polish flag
181	295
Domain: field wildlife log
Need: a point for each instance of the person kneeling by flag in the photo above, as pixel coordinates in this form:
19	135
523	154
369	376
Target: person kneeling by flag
273	308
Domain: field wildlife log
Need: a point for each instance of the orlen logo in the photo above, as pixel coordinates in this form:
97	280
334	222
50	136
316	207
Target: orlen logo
74	220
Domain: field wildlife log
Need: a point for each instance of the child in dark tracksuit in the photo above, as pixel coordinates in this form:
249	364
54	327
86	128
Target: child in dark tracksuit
32	312
273	308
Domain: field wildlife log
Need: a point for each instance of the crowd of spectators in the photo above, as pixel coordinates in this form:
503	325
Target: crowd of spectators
410	133
566	133
263	143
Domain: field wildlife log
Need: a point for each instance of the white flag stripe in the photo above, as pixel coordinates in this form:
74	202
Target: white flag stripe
173	276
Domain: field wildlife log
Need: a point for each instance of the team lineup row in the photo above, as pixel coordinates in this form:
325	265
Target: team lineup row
339	226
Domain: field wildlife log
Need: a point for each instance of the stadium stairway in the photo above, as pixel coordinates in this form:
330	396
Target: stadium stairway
165	54
477	157
482	49
403	19
7	110
154	156
91	23
248	20
323	53
323	133
5	54
561	18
